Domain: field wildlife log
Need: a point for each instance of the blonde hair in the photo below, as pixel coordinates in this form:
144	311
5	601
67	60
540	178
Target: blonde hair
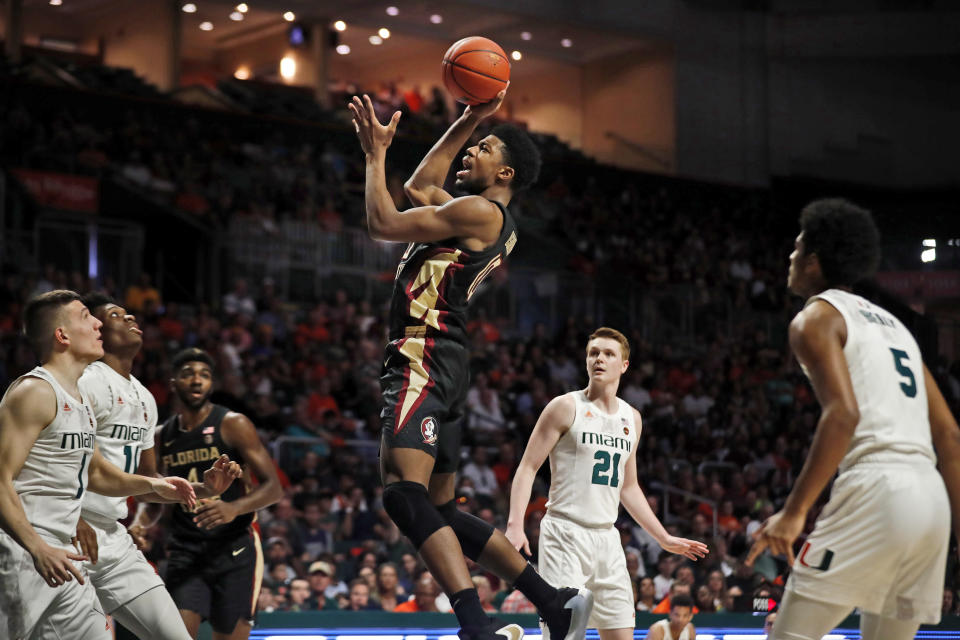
613	334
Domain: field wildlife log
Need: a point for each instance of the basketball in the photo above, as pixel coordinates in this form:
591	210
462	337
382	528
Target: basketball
475	70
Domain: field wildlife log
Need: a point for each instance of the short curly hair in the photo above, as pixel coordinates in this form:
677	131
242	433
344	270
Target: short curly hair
845	239
96	299
519	153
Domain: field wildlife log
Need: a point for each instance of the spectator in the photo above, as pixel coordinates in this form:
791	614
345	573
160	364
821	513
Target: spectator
320	579
664	578
298	596
360	596
479	473
516	602
646	594
140	294
485	593
239	300
677	589
425	593
389	591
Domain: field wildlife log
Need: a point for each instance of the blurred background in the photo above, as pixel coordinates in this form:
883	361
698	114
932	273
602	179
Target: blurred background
196	161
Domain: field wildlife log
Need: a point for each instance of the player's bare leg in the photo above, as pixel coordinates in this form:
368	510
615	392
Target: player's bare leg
565	610
240	632
441	550
625	633
192	620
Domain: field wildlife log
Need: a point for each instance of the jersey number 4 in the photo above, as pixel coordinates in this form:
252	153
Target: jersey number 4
899	358
602	467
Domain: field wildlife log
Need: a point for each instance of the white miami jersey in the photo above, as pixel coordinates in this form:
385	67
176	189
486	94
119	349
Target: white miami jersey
53	479
887	374
126	416
588	463
665	625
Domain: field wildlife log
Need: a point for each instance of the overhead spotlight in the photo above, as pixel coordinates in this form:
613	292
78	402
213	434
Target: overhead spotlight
384	32
56	3
288	67
242	7
516	55
242	73
375	40
289	16
206	26
340	25
343	49
236	16
189	8
566	43
393	11
929	253
436	18
525	35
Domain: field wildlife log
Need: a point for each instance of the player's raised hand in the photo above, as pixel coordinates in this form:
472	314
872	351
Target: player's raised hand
221	475
373	136
213	513
487	109
176	489
777	533
518	539
86	540
691	549
55	565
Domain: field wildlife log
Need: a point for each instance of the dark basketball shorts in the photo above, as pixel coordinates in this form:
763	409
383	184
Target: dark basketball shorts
218	578
424	387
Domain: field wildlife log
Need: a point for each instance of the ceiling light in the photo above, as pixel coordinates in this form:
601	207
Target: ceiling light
289	16
242	7
288	68
525	35
242	73
340	25
189	8
375	40
384	32
56	3
393	11
566	43
516	55
436	18
206	26
236	16
343	49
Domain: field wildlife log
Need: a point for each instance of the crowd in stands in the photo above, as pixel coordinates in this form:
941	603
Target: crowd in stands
732	426
729	419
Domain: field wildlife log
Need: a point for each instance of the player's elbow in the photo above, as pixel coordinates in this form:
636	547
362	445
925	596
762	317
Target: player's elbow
843	416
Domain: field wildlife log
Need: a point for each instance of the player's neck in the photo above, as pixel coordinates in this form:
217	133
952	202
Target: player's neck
498	194
122	364
190	418
66	369
603	395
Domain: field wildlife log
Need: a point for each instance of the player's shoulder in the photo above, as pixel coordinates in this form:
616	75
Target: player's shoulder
31	397
470	207
818	318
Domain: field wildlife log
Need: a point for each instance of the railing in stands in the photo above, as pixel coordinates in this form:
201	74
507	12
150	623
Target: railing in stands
670	489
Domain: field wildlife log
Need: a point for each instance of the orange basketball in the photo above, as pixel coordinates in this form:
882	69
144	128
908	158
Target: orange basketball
475	70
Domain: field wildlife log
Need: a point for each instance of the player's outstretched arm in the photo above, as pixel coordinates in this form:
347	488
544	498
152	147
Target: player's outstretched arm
636	504
108	480
946	441
556	418
425	186
27	408
467	217
817	336
216	479
238	432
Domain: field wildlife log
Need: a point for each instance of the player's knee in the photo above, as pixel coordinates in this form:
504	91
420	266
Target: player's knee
408	505
472	532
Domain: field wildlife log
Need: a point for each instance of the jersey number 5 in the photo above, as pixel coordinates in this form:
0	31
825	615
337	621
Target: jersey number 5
603	466
909	388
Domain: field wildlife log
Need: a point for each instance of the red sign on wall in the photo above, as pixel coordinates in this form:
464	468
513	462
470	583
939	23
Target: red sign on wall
60	190
921	285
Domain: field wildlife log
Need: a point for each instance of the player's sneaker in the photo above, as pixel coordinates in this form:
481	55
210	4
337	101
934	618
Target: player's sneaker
494	630
568	620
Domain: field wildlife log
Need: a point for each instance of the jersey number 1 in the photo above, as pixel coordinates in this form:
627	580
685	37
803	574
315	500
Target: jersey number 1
603	466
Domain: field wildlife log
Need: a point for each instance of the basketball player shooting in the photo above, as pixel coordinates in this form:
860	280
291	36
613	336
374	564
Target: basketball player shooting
454	243
880	543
